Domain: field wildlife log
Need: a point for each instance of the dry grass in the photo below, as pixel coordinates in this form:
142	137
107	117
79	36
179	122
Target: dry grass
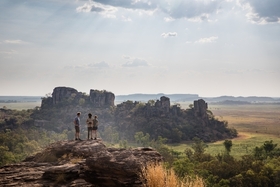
21	105
262	118
155	175
71	158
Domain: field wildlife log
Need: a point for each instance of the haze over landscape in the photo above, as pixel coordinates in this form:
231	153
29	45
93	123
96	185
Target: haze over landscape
205	47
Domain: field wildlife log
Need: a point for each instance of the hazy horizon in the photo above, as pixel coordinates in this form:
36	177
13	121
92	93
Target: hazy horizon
148	94
207	47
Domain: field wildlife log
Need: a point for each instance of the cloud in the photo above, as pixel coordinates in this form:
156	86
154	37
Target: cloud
134	4
193	10
126	19
136	63
169	34
207	40
99	65
96	7
190	9
125	57
13	41
10	52
261	11
168	19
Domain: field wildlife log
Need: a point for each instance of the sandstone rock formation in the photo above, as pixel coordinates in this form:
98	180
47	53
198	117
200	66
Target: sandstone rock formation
70	96
163	104
80	163
161	108
200	108
63	93
102	98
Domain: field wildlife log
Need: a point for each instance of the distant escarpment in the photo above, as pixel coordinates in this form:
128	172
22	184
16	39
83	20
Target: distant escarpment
157	118
80	163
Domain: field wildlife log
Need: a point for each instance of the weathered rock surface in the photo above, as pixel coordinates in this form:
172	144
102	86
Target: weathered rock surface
200	108
63	93
163	103
102	98
80	163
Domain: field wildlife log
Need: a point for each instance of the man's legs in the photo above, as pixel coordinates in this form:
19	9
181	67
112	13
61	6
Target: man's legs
77	134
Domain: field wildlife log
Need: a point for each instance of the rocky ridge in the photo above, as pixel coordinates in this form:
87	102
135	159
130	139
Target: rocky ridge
80	163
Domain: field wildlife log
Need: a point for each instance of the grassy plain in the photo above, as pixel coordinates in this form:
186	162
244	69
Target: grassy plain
255	123
20	105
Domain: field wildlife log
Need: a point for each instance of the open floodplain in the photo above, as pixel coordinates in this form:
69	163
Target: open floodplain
255	123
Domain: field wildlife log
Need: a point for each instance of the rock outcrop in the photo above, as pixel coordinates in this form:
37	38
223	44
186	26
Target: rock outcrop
80	163
63	93
161	108
200	108
163	104
102	98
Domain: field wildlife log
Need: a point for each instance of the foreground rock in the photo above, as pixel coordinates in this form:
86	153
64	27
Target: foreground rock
80	163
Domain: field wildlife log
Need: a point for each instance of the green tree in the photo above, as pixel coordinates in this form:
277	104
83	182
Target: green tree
199	148
138	137
228	145
268	146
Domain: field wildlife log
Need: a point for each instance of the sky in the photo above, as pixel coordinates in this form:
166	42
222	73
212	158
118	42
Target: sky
205	47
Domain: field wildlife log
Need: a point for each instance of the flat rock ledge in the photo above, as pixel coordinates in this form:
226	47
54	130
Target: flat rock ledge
80	163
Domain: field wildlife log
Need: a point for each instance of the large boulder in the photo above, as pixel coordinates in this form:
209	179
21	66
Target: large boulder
80	163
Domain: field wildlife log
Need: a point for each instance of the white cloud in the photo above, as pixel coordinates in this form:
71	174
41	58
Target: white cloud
105	10
99	65
136	63
169	34
126	19
260	11
198	10
207	40
13	41
136	4
125	57
191	9
168	19
9	52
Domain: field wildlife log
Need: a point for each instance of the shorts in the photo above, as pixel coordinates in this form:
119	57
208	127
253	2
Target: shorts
94	128
77	128
89	128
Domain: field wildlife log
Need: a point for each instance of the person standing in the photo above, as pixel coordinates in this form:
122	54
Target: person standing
95	126
90	122
77	126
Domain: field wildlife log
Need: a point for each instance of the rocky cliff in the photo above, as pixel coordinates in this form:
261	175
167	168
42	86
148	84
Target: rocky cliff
102	98
80	163
63	93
